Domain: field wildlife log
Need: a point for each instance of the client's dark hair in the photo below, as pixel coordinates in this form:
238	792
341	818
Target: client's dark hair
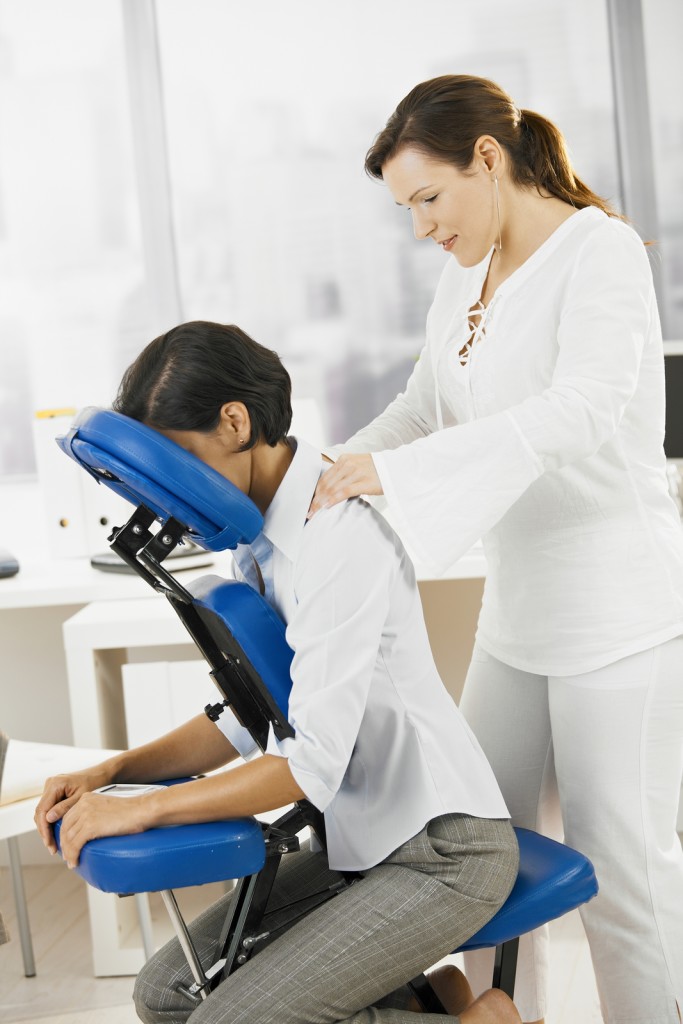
181	380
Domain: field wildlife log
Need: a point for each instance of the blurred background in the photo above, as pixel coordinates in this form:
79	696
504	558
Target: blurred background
173	161
203	159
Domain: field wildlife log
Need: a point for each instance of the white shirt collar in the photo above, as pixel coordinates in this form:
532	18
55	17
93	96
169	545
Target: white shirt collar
285	517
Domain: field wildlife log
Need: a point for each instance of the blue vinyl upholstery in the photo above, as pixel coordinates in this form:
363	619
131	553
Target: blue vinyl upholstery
258	629
553	879
174	857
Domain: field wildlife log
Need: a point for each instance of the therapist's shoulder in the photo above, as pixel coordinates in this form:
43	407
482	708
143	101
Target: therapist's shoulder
610	244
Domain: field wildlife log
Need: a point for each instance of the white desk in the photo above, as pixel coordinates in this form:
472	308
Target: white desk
98	641
33	680
53	583
34	684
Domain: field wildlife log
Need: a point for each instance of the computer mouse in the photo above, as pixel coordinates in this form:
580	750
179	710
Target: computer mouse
8	564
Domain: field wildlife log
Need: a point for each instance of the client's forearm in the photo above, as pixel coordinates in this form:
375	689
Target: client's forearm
197	746
263	784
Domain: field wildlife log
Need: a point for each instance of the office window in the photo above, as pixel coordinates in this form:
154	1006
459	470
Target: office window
663	26
72	294
269	119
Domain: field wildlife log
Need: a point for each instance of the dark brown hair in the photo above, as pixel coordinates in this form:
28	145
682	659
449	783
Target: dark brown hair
182	379
444	117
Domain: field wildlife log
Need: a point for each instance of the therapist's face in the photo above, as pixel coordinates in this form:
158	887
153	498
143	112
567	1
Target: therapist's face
457	209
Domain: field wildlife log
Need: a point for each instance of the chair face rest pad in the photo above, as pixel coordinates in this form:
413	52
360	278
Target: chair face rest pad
174	857
144	467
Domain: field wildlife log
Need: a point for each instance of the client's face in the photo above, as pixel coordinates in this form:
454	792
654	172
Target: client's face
220	450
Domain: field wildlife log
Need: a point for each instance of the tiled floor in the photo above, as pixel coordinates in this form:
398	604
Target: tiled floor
64	991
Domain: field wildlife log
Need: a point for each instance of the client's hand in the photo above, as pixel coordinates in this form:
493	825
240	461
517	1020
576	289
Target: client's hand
60	793
350	476
96	815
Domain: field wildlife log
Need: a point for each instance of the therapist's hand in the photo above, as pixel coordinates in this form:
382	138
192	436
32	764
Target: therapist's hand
96	815
60	793
350	476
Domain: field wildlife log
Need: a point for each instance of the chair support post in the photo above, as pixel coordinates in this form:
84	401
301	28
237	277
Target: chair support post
505	965
201	980
425	995
231	949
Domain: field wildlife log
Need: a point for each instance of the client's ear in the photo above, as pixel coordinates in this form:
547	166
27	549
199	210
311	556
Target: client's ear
235	424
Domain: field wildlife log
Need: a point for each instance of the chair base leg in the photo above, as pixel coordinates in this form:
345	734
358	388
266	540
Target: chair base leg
22	909
199	990
505	966
241	932
425	994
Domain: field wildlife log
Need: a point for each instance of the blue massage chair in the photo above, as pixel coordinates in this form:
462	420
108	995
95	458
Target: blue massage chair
243	642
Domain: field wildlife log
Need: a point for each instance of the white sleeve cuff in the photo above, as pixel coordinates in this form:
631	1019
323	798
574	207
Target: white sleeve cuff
446	491
241	738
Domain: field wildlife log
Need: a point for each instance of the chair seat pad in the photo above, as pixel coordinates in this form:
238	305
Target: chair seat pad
553	879
173	857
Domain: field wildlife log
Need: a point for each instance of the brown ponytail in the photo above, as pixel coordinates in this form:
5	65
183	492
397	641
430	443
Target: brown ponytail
445	116
543	161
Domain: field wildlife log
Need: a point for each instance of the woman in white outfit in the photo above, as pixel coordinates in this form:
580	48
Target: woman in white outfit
534	418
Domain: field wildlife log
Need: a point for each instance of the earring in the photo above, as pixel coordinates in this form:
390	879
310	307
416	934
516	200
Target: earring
241	440
500	236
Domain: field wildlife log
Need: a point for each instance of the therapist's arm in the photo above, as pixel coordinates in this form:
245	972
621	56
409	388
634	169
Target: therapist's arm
411	415
447	490
195	747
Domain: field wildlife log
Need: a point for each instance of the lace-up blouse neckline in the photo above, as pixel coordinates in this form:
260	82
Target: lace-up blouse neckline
478	313
476	325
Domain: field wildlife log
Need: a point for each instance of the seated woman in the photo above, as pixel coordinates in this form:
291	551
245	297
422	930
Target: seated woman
410	802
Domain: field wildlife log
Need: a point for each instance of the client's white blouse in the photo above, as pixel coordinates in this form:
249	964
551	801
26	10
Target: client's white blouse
551	450
379	744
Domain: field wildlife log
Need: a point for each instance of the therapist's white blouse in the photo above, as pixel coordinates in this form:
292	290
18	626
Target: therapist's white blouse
552	451
379	744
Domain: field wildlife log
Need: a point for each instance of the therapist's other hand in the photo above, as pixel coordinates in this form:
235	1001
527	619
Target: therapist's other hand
96	815
350	476
59	794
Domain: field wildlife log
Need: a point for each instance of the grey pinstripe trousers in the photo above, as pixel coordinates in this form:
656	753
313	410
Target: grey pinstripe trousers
349	959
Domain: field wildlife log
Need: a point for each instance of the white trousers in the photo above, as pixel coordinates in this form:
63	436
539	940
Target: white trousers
598	757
